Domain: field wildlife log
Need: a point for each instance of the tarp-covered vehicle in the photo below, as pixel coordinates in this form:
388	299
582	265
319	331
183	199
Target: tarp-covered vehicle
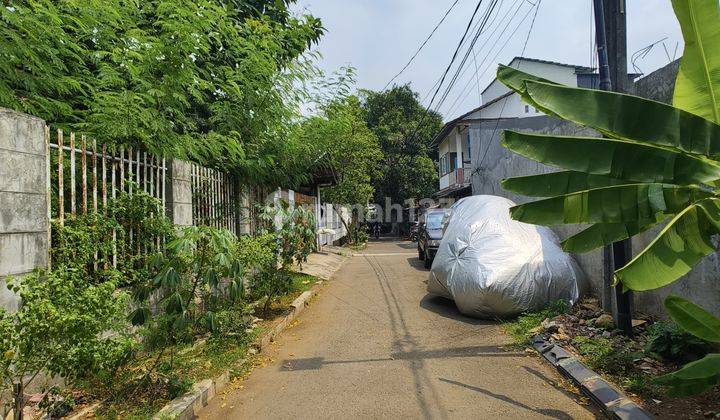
493	266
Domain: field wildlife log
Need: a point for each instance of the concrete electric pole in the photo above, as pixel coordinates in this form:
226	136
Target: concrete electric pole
611	38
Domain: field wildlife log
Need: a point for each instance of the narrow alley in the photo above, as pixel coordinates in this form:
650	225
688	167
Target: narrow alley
374	345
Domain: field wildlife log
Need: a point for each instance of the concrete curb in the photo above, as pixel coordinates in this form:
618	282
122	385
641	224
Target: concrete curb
187	406
613	402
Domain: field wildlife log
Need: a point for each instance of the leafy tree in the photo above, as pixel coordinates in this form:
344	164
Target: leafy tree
657	164
347	147
60	329
208	80
405	130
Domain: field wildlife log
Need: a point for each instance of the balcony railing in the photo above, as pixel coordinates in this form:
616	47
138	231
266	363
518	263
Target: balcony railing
458	176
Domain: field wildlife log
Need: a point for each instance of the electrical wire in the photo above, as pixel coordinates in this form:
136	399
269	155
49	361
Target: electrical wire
464	93
422	45
497	121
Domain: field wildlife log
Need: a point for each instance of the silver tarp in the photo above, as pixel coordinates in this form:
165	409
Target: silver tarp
493	266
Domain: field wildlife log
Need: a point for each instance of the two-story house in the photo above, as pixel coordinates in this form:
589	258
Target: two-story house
454	141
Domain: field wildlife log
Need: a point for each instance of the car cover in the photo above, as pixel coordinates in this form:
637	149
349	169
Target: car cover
493	266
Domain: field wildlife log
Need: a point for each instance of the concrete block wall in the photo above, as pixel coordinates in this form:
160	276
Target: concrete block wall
23	199
178	203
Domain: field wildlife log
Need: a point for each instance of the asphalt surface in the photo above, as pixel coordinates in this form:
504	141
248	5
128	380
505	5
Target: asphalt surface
375	345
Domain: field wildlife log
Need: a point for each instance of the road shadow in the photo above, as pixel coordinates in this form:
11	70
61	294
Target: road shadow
447	309
549	412
316	363
407	245
415	263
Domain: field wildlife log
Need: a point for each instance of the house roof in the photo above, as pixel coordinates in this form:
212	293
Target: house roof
447	128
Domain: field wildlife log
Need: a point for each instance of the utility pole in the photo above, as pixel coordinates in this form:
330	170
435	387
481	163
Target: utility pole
611	24
611	37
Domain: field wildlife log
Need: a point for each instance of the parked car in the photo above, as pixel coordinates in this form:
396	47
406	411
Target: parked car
430	234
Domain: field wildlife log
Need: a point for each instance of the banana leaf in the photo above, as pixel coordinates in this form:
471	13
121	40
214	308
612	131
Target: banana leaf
614	158
603	234
557	183
618	115
515	80
629	117
693	319
639	203
697	88
678	247
694	377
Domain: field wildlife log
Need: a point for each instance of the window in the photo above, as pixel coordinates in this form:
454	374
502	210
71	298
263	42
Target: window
527	109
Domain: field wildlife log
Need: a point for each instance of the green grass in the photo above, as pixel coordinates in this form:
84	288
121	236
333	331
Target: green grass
302	282
519	328
190	364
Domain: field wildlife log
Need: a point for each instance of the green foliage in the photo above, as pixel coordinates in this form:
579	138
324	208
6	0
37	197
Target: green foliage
210	81
656	162
85	241
521	328
405	130
349	149
703	374
600	354
670	342
61	328
197	275
294	229
294	232
257	253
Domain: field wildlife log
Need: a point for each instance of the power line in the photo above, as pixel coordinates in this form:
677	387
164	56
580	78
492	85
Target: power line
464	92
422	45
493	60
455	54
447	70
497	121
485	19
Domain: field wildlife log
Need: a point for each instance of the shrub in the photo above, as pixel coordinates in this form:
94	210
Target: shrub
668	341
65	326
197	275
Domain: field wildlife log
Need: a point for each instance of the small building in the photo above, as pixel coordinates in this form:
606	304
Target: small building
455	141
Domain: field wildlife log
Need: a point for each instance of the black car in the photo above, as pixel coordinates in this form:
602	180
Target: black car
429	235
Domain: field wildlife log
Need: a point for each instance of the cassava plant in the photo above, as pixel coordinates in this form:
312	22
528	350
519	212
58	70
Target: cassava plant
196	274
656	164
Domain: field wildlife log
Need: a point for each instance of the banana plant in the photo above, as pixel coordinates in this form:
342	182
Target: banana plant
655	164
703	374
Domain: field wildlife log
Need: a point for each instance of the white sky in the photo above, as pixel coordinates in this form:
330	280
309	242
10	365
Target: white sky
378	37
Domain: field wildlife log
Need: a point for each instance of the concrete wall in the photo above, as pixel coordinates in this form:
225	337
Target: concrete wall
493	163
23	204
179	189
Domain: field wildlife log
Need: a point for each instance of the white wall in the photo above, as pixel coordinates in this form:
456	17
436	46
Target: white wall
556	73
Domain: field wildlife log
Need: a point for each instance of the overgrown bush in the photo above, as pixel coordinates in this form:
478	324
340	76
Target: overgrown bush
65	326
128	232
197	275
668	341
294	229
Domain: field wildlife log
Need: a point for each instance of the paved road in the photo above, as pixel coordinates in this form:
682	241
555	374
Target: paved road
374	345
